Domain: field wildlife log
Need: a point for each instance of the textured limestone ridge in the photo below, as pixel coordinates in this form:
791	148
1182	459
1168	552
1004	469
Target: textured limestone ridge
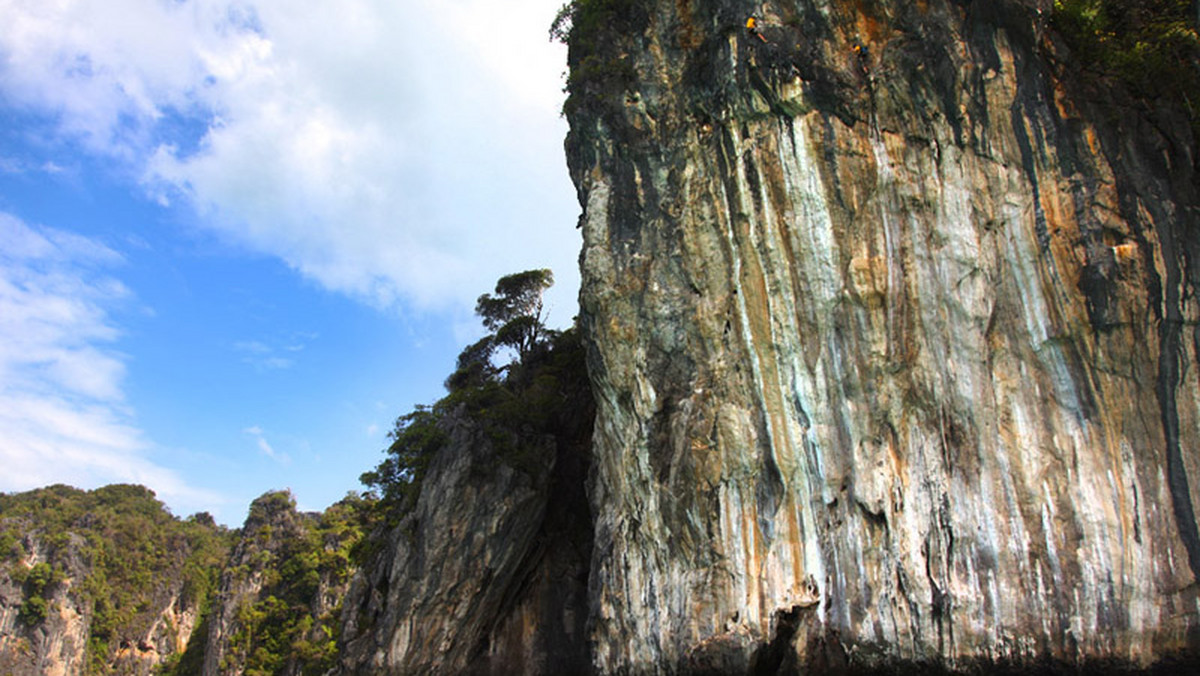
58	646
280	592
894	348
487	574
272	524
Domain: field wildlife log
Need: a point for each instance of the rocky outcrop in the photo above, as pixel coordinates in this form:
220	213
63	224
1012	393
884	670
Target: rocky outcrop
167	636
56	646
893	329
281	590
72	601
894	337
487	574
272	524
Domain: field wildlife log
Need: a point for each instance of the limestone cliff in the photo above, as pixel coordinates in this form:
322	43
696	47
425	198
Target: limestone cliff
109	582
891	321
279	601
58	643
894	340
103	581
487	573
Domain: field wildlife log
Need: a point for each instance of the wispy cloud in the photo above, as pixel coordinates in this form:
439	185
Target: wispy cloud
264	446
261	356
63	415
273	355
390	151
18	166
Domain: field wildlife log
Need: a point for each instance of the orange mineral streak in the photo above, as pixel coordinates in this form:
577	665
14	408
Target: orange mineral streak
796	544
869	27
750	546
688	35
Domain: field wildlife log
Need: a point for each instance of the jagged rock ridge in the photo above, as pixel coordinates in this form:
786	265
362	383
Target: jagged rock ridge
487	573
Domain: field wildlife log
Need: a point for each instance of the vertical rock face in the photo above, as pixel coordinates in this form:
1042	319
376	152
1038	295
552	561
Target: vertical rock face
488	572
894	341
57	646
272	525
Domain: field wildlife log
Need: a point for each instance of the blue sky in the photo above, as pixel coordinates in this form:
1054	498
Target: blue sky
237	239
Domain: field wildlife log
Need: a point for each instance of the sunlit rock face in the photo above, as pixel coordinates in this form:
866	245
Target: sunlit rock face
895	348
58	646
273	522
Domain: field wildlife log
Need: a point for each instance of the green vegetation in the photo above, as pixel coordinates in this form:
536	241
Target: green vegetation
286	627
1151	45
38	580
598	67
416	437
514	314
10	547
515	404
124	543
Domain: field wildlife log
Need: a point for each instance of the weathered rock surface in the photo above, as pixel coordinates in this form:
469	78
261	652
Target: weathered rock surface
895	349
279	601
488	573
271	525
58	646
90	613
893	329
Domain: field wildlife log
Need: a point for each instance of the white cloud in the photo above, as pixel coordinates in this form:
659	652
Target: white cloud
272	355
264	357
260	440
391	151
15	166
63	418
109	69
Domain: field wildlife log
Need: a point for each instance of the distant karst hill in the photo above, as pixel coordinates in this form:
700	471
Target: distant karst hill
108	581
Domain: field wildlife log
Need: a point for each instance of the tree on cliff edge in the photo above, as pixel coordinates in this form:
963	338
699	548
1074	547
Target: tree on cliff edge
511	400
1152	45
515	316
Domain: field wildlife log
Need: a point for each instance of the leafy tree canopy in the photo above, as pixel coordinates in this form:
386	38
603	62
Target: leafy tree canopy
509	402
514	315
1151	45
297	557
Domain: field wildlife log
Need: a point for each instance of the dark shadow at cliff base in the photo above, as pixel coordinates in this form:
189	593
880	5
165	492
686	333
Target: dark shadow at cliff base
831	660
801	646
1170	667
551	586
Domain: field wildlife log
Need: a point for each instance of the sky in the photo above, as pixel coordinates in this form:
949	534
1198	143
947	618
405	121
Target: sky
238	239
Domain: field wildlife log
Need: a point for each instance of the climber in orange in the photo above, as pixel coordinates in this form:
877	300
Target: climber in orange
861	51
752	28
864	57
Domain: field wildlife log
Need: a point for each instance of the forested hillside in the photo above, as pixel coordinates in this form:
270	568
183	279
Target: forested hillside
101	581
